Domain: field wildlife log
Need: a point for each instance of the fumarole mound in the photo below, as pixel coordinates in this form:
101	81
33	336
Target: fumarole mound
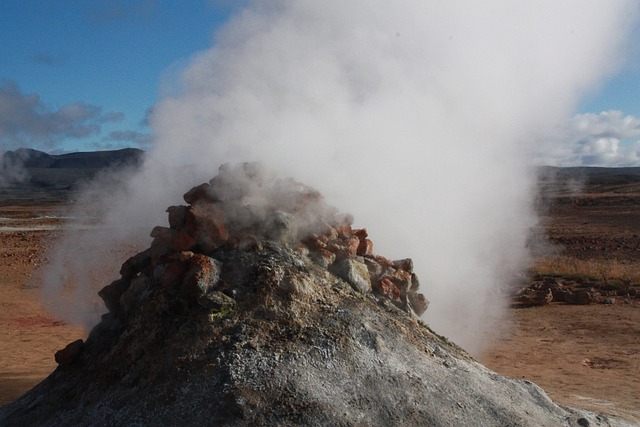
260	305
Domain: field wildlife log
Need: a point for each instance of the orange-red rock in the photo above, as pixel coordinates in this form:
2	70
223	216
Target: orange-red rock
207	223
365	247
361	233
344	230
351	245
170	274
201	193
182	241
387	288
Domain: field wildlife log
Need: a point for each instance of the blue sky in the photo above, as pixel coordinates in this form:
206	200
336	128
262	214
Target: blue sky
107	54
82	75
621	91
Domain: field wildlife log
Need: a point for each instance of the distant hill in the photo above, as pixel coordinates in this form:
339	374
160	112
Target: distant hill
588	180
29	158
27	174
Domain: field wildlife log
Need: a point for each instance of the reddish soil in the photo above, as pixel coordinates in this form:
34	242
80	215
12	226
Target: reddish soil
582	355
29	336
587	356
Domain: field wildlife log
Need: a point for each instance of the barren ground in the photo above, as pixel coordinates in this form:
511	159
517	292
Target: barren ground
582	355
29	336
587	356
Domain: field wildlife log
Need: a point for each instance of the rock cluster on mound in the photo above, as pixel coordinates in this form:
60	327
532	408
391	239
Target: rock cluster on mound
259	305
237	210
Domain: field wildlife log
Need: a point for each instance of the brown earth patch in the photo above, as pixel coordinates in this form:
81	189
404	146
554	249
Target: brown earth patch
581	355
29	336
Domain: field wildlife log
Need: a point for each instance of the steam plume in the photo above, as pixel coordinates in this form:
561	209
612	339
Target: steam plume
12	170
416	117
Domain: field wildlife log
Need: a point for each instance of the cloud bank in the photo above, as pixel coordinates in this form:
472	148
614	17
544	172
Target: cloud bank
609	138
26	121
417	117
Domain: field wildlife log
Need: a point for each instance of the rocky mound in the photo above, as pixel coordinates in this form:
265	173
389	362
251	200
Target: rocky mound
261	305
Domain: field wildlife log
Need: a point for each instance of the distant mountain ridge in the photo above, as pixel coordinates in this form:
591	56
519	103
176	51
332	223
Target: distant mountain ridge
592	172
32	175
29	158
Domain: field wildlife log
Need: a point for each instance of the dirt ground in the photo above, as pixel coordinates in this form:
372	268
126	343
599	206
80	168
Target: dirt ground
586	356
29	336
582	355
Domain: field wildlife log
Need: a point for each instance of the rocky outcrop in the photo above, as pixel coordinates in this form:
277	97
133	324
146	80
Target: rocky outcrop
247	205
542	290
259	305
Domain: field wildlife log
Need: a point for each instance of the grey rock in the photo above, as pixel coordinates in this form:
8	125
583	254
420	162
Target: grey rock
353	272
404	264
135	293
419	303
323	258
281	226
111	294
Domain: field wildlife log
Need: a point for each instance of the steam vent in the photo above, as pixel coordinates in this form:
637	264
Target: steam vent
260	305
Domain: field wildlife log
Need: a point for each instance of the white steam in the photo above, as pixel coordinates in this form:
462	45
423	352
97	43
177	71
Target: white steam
12	168
415	116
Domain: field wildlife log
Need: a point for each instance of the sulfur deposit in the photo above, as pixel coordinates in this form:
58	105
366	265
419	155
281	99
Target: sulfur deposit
259	305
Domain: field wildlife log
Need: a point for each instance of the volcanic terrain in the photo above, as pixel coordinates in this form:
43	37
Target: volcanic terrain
283	308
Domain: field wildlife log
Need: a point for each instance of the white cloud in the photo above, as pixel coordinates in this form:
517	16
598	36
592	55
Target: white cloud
26	121
609	138
610	123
